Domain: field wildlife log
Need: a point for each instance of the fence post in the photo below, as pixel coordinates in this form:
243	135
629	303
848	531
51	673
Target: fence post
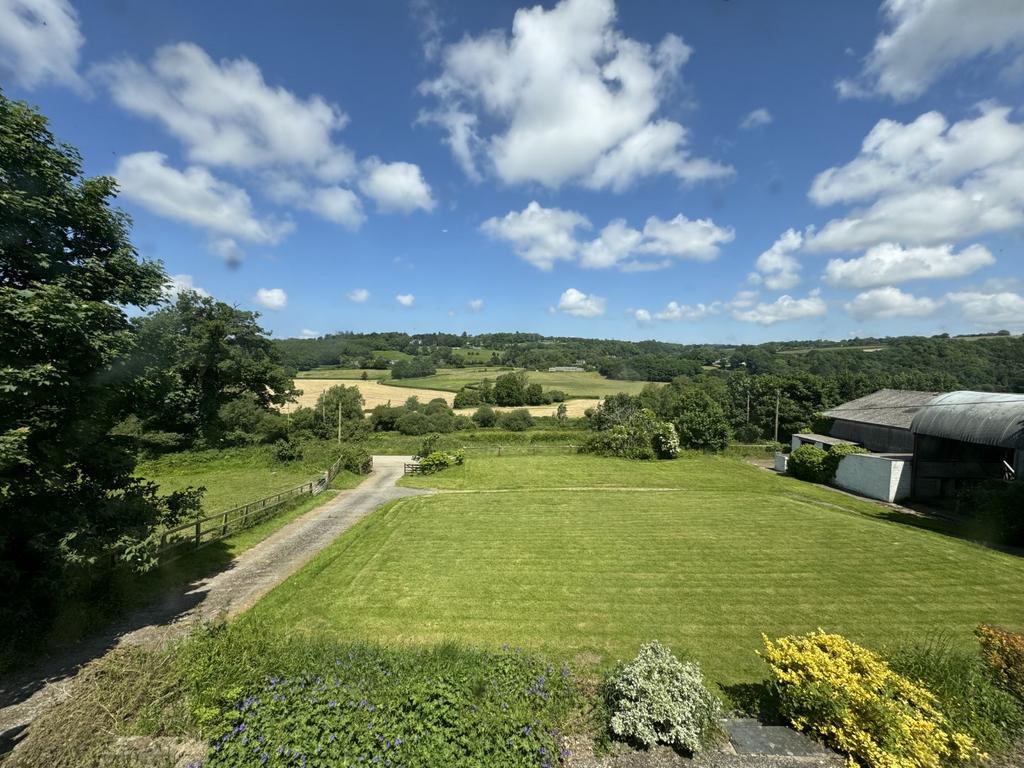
224	527
199	529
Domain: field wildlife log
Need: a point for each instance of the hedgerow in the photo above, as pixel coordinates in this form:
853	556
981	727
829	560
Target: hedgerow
853	700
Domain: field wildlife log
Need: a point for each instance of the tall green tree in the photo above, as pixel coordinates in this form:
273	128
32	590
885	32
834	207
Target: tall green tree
197	356
68	494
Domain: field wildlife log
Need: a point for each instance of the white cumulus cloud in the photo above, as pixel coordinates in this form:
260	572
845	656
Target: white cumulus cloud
676	311
272	298
476	304
226	114
925	38
306	333
778	269
889	302
889	263
991	310
405	299
539	235
543	236
396	186
358	295
782	309
40	42
194	196
179	284
927	182
569	98
579	304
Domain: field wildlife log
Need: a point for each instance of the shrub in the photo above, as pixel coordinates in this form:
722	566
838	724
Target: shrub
518	420
467	397
485	416
619	441
246	422
413	423
1004	653
435	462
808	463
832	458
356	460
701	422
658	699
286	450
665	441
850	698
966	691
429	444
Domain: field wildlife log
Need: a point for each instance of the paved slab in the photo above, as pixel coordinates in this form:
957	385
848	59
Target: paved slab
231	591
749	737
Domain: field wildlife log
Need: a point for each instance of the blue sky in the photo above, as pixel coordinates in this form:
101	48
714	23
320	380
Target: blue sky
711	170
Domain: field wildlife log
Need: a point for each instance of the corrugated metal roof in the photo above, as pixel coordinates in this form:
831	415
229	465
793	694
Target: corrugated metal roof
887	407
811	437
987	418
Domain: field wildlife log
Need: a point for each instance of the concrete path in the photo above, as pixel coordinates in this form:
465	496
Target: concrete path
228	592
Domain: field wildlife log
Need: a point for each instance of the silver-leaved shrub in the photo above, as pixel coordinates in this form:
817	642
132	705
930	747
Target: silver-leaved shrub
658	699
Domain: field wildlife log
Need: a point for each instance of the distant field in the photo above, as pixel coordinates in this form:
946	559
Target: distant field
805	350
343	373
589	558
474	356
589	384
374	393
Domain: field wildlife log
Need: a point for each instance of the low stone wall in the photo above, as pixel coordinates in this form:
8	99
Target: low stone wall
886	478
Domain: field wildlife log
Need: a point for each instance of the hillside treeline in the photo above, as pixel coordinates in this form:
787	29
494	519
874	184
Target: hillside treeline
989	363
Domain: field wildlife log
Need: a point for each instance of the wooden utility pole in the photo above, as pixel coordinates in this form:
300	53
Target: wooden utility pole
339	424
778	396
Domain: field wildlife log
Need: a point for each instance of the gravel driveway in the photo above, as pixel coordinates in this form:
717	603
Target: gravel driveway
250	576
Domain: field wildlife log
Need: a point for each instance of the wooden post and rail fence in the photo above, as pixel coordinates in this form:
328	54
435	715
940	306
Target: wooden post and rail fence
203	530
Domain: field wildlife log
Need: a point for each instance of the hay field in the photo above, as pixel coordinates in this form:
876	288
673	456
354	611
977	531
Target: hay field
374	393
574	408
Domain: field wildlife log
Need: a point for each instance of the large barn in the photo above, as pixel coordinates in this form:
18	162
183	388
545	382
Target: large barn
967	436
880	421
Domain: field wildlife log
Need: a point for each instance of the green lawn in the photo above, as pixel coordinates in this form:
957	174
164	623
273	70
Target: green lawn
586	384
588	558
236	476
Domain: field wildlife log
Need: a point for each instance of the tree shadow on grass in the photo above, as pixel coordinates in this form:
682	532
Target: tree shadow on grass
937	521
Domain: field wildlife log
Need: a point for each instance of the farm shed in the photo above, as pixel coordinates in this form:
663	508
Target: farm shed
967	436
880	421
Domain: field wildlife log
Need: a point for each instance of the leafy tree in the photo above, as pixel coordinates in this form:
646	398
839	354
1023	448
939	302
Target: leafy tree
518	420
467	397
415	368
485	416
701	423
69	494
197	355
348	401
510	389
562	413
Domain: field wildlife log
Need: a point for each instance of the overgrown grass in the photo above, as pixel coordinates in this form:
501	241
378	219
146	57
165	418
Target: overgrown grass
586	384
703	553
249	691
235	476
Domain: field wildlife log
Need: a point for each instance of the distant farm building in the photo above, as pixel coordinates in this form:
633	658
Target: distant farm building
964	437
880	421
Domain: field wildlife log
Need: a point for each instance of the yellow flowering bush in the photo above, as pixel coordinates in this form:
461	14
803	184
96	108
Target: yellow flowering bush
850	698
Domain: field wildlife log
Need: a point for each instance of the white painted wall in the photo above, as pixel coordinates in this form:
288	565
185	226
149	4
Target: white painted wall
874	476
781	462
